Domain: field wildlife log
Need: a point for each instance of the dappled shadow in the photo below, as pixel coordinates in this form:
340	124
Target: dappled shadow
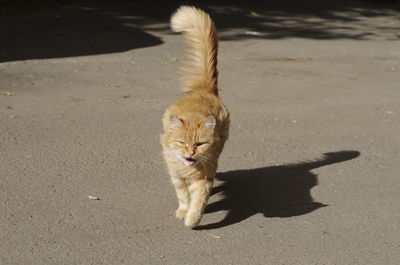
75	28
277	191
307	19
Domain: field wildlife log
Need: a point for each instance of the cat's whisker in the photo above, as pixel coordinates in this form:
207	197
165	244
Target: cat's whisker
210	158
206	163
202	163
209	163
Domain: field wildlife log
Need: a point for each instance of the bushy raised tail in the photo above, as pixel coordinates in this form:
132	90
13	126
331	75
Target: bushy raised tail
201	74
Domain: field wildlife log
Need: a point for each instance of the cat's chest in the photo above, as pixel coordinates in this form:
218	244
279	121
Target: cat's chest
186	172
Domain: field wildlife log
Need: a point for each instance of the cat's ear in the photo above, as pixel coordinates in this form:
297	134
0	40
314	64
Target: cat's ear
174	122
210	122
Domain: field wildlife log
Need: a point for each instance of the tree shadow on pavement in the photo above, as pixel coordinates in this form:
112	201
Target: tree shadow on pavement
277	191
308	19
85	27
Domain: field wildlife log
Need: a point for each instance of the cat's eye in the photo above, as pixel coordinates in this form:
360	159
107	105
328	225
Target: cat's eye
181	143
200	144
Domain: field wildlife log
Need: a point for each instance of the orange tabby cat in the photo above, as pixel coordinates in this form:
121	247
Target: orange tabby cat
197	125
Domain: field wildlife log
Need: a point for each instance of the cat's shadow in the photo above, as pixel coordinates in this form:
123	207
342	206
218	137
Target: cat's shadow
276	191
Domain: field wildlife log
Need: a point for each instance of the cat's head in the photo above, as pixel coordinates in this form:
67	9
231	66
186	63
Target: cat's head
191	142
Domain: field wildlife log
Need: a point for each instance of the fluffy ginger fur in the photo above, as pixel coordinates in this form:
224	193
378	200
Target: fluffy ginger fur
196	126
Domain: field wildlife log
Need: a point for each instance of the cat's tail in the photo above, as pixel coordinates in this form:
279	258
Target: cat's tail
201	74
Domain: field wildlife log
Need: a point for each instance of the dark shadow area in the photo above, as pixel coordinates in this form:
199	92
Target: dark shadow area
277	191
87	28
62	28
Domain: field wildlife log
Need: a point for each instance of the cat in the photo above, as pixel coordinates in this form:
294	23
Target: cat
197	125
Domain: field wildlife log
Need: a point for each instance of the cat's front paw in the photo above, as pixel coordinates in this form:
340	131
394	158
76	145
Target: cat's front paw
180	213
192	220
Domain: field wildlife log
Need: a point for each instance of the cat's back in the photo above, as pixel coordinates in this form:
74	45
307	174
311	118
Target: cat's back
199	104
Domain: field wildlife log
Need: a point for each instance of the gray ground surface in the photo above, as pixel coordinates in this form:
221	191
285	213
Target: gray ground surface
310	174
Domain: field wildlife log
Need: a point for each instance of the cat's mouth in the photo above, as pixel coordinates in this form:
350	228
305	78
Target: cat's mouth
190	161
